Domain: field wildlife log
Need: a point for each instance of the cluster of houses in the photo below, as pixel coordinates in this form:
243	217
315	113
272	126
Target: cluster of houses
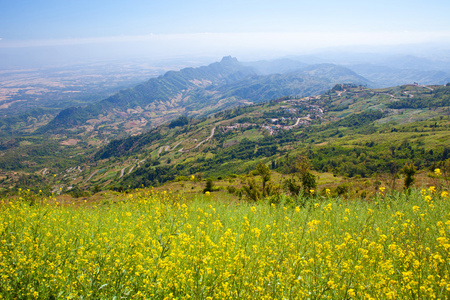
274	126
237	126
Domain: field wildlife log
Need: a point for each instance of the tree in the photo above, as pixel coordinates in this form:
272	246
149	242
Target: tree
209	186
303	173
292	186
308	182
409	170
264	172
393	170
252	190
181	121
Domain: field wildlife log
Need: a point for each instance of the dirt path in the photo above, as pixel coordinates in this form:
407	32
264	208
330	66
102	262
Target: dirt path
167	148
89	178
390	95
176	145
207	139
137	164
199	144
123	171
160	150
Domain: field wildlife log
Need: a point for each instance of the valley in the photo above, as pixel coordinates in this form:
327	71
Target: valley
63	86
222	120
349	131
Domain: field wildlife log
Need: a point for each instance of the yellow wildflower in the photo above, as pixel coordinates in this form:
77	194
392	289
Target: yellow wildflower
351	293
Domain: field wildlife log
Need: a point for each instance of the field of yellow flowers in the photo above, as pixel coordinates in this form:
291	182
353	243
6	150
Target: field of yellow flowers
161	246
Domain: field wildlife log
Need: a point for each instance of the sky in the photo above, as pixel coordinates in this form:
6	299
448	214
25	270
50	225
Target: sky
95	29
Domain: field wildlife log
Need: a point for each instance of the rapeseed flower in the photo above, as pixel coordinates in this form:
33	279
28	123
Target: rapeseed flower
159	245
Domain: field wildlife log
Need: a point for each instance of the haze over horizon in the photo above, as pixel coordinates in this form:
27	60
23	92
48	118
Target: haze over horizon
50	31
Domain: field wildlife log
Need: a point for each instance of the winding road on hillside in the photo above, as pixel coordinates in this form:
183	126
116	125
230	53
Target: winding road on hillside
199	144
137	163
122	171
176	145
167	148
89	178
205	140
131	170
160	150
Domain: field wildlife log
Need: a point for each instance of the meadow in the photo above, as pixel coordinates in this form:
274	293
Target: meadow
160	245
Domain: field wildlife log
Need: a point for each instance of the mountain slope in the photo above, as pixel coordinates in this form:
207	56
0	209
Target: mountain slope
196	92
232	142
349	130
335	74
278	66
165	90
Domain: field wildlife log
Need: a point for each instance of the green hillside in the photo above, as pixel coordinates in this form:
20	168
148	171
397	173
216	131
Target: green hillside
347	132
368	137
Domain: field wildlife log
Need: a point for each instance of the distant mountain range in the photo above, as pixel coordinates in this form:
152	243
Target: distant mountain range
378	70
384	76
200	91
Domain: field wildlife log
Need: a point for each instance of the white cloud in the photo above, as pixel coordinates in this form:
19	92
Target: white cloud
273	39
237	44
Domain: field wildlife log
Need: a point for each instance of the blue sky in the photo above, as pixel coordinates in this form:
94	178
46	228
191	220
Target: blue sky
172	27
